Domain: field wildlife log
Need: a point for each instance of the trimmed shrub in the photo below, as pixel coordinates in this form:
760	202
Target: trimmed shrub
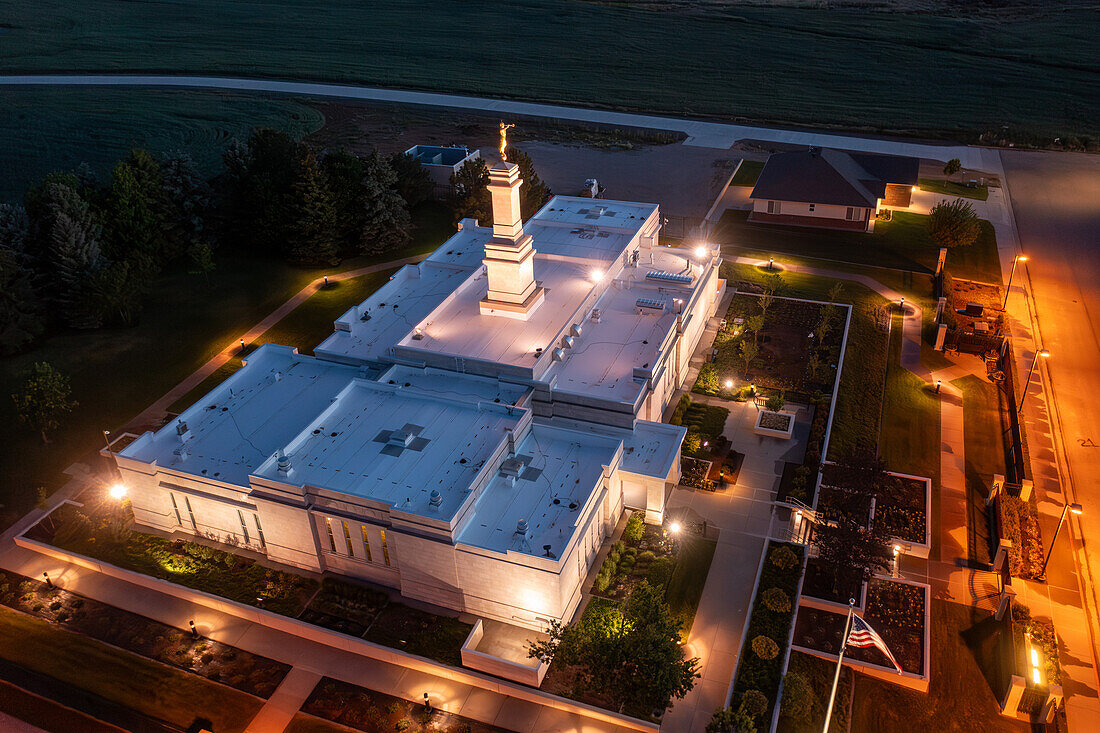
635	528
659	572
777	600
646	557
603	579
754	703
765	648
783	558
798	698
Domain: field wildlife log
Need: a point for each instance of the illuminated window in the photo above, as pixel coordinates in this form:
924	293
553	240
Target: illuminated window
260	531
331	538
244	527
176	509
366	542
347	539
187	503
385	549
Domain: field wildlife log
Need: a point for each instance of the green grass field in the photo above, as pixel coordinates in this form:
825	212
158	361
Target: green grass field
952	188
135	682
901	243
58	128
1031	67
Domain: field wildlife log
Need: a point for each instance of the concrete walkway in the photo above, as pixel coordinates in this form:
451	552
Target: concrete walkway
285	702
700	133
157	409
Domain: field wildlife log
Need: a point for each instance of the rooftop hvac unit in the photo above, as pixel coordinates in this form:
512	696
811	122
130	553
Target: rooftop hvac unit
567	342
595	315
575	329
559	355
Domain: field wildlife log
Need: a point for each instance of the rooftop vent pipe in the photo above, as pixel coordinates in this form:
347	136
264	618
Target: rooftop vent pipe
521	527
435	498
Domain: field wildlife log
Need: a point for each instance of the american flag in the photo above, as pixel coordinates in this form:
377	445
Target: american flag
863	636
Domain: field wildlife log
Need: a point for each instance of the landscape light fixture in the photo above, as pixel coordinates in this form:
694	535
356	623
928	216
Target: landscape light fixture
939	383
1043	353
729	384
117	491
1008	288
194	631
1036	673
48	581
771	263
326	281
597	276
674	528
901	304
700	251
242	344
1076	509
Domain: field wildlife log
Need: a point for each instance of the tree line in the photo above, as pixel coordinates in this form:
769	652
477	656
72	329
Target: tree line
81	253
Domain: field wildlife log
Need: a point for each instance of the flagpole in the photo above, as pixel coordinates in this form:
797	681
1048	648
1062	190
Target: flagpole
839	664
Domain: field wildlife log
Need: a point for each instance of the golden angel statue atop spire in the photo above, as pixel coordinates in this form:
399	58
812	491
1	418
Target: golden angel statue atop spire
504	140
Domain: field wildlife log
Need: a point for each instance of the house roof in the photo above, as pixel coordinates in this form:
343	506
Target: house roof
829	176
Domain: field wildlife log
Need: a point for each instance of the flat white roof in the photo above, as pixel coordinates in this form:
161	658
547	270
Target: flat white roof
396	445
367	331
561	469
455	386
457	327
245	419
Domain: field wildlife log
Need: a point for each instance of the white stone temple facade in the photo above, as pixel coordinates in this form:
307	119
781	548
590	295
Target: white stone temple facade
472	432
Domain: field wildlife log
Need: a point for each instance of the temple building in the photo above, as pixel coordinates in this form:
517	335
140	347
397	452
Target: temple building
472	432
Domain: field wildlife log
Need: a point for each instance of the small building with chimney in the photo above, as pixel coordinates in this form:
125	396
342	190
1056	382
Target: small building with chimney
833	189
472	432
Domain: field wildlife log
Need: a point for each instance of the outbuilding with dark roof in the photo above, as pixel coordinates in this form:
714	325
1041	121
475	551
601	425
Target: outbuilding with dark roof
824	187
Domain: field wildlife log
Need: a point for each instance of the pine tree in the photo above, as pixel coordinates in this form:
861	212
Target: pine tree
534	193
21	312
344	176
311	239
414	183
260	182
470	197
386	222
75	260
188	200
135	211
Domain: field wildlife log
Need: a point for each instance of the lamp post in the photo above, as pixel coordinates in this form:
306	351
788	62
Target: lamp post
1043	353
1076	509
1008	288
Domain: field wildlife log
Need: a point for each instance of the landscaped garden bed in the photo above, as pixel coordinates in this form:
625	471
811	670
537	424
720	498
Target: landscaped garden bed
694	471
774	343
103	532
806	688
820	583
375	712
1018	522
764	646
895	609
901	502
215	661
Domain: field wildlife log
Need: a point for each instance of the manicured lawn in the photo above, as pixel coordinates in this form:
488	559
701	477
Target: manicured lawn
748	173
881	706
135	682
661	57
909	441
953	188
901	243
689	575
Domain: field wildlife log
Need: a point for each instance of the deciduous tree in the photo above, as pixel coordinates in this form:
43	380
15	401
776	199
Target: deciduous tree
953	224
952	167
43	399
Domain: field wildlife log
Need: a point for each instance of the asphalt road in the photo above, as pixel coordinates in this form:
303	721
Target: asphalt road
1056	202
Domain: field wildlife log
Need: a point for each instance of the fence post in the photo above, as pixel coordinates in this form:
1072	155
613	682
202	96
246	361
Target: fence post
1015	693
1054	699
1000	560
1008	594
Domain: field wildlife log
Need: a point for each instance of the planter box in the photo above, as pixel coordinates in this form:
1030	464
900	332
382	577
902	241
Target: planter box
528	672
771	424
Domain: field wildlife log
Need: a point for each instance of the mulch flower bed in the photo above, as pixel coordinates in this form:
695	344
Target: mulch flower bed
900	503
643	553
896	611
375	712
774	421
217	662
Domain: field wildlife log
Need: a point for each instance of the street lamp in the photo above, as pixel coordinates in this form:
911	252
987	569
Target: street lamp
1043	353
1076	509
1008	289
